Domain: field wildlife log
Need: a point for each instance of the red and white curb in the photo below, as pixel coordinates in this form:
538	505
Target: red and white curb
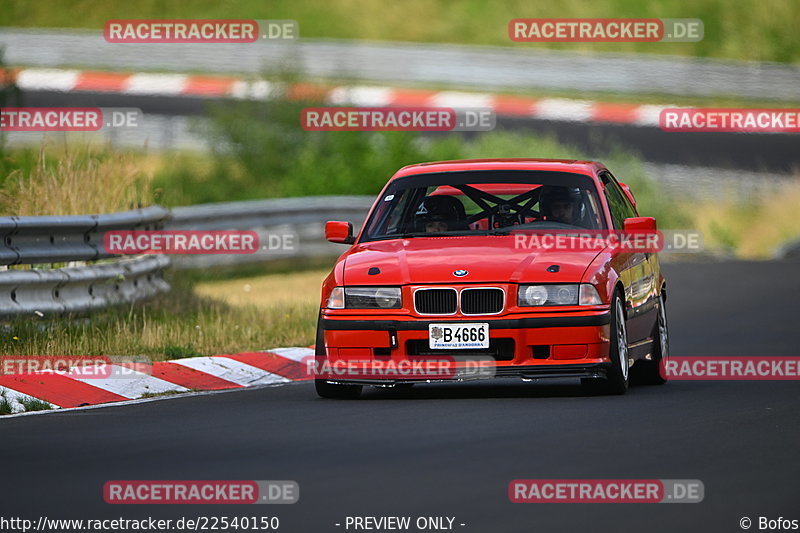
177	85
79	387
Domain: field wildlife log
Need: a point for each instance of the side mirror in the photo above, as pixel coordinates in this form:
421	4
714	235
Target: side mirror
628	193
339	232
639	224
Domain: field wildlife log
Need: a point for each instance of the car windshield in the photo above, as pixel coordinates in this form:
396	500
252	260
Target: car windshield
484	203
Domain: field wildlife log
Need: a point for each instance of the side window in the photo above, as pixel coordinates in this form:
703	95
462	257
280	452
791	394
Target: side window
398	207
617	202
387	217
631	209
595	210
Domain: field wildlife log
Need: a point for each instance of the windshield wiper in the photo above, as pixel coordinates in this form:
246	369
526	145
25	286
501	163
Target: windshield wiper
417	234
410	235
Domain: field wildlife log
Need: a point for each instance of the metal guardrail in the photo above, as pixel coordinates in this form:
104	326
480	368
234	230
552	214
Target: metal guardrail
495	67
51	240
85	288
69	239
301	218
60	239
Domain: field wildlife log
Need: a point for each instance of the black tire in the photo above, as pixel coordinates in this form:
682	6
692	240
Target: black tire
617	377
324	388
649	372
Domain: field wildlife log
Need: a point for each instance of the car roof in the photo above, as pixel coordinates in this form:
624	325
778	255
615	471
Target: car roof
576	166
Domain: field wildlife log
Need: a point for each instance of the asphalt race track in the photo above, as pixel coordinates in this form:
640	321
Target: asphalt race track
445	450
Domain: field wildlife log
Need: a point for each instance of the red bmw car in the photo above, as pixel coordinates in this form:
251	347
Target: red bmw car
446	269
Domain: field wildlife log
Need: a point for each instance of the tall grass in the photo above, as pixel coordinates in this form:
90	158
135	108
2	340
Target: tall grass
753	228
72	181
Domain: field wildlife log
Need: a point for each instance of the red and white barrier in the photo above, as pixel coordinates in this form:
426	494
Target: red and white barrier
176	85
83	386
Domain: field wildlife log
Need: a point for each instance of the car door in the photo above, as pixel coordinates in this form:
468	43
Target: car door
637	271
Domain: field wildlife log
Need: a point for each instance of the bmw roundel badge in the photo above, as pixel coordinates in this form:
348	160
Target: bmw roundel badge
460	273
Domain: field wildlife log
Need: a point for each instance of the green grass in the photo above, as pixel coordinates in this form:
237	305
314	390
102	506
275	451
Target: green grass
179	352
28	404
748	29
65	180
33	404
5	404
753	228
179	324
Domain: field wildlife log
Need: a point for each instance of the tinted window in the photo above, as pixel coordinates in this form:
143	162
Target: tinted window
618	203
482	202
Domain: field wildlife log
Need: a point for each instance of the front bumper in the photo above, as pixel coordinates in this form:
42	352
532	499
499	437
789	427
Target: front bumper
535	372
530	346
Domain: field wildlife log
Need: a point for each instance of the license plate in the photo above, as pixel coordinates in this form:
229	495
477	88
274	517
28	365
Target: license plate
458	336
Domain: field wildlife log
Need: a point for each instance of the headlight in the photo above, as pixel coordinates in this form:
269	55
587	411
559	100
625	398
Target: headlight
365	298
530	295
565	294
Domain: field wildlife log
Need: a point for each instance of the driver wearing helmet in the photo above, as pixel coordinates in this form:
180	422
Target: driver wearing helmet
438	214
561	204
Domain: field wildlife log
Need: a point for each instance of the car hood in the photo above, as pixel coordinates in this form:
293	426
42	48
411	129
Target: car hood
495	259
